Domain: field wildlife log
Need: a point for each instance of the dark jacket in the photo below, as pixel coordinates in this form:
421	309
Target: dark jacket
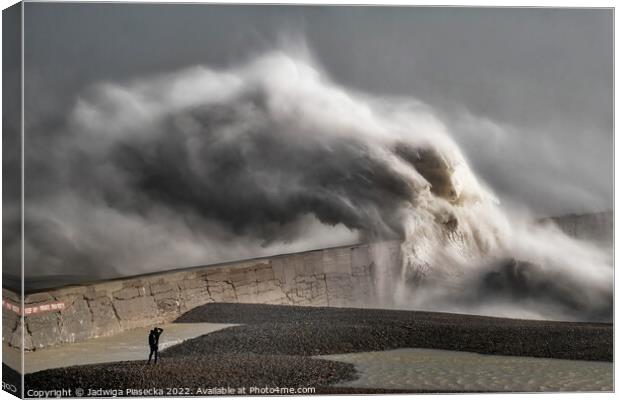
154	337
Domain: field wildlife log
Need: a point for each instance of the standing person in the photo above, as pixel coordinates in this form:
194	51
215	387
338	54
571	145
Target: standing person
154	342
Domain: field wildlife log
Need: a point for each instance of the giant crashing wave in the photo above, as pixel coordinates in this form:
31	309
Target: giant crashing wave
244	160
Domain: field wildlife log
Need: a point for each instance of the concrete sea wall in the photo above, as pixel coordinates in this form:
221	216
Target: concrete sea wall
341	276
596	227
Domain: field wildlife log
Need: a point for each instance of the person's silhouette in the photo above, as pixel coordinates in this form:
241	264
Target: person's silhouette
154	342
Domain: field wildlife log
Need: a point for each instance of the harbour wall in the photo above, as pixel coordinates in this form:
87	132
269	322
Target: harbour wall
342	276
594	227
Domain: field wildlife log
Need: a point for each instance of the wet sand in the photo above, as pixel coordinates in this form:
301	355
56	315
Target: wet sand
273	344
125	346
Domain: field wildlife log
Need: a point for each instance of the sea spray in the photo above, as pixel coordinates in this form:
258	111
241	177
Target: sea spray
204	165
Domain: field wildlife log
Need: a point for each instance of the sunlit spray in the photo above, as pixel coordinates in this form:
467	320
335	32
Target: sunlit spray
207	165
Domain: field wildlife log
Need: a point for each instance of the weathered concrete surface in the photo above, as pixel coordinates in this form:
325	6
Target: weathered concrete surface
332	277
342	276
596	227
11	324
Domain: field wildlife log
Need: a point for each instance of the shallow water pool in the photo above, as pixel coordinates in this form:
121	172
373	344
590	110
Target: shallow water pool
442	370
